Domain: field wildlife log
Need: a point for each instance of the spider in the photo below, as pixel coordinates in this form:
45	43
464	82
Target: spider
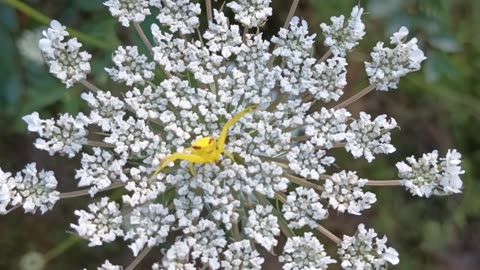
206	150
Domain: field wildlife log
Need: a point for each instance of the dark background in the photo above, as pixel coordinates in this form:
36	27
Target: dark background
437	108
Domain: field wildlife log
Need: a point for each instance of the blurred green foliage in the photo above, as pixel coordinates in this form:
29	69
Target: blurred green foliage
438	108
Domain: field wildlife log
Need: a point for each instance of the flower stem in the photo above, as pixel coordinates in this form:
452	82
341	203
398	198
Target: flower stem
384	183
61	248
329	234
84	192
39	17
144	38
303	182
325	56
209	10
355	97
90	86
100	144
138	259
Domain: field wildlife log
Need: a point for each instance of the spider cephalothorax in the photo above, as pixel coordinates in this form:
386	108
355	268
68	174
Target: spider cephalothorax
208	149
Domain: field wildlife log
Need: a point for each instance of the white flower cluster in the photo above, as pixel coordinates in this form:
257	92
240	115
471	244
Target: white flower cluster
64	59
109	266
148	226
29	188
389	65
240	255
306	253
263	227
102	224
327	127
365	251
128	10
341	37
251	13
100	170
179	15
344	192
219	201
303	208
131	67
430	175
368	137
65	136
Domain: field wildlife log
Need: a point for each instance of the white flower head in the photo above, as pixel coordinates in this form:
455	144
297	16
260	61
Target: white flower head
430	175
128	10
342	37
148	225
64	59
131	67
107	265
240	255
65	135
304	252
179	15
29	188
365	250
251	13
367	138
344	192
263	227
101	224
390	64
303	208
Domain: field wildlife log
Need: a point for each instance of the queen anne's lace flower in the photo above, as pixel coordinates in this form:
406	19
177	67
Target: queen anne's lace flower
131	67
240	255
66	135
344	192
306	253
148	226
102	224
389	65
365	251
65	60
109	266
179	15
341	37
327	127
29	188
251	13
128	10
262	226
303	208
226	86
367	138
100	170
430	175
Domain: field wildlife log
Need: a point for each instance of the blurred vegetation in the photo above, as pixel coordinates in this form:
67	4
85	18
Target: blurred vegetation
437	108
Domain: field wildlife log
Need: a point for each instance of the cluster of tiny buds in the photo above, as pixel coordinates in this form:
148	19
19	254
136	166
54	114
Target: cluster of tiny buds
196	159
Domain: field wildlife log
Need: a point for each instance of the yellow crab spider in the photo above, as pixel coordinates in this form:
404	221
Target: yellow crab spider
206	150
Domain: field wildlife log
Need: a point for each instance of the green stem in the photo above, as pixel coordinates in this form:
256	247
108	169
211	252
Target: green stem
61	248
39	17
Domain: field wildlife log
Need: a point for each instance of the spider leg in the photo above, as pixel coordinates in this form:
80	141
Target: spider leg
178	156
230	123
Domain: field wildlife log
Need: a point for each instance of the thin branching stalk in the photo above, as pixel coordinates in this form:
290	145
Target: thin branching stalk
144	38
209	10
100	144
303	182
384	183
355	97
329	234
325	56
90	86
139	258
84	192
